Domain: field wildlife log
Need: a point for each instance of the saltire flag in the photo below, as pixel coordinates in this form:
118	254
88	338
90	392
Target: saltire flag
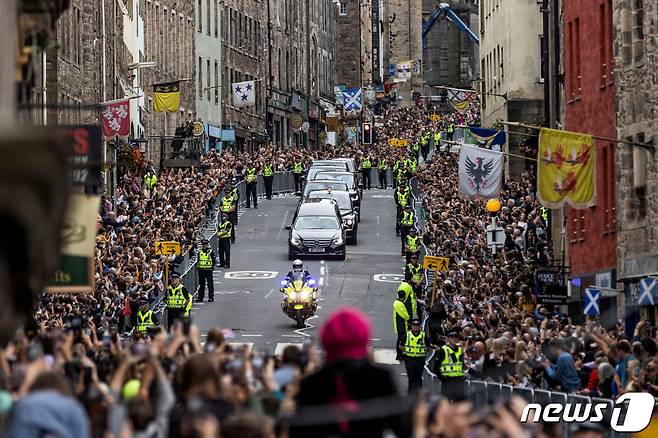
489	138
116	118
591	302
458	99
416	67
166	97
480	172
352	97
244	93
566	169
647	295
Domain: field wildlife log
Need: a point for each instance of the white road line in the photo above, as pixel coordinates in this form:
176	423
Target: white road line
322	262
269	293
321	270
385	356
282	346
252	336
377	234
378	221
321	281
292	336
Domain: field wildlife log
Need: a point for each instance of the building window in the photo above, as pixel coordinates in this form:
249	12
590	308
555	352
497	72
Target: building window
342	9
200	78
602	45
208	17
640	178
216	6
542	60
216	82
200	16
638	31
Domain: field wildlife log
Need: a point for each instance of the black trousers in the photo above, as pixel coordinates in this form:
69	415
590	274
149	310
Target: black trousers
402	337
452	388
298	181
173	315
205	276
252	194
415	367
268	186
404	231
224	247
398	212
365	173
382	179
233	217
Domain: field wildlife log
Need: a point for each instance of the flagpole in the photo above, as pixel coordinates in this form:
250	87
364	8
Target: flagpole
504	153
110	102
649	147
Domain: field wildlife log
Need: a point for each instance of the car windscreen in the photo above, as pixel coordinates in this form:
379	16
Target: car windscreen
313	171
334	164
346	177
324	185
341	198
298	276
316	223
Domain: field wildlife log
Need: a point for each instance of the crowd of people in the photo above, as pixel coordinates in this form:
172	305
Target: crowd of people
75	365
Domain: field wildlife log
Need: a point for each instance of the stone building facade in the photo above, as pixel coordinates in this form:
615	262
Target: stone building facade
169	42
354	43
450	57
405	42
636	81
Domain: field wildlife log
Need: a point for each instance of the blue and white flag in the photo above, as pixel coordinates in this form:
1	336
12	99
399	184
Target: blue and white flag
352	97
591	302
244	93
391	70
647	291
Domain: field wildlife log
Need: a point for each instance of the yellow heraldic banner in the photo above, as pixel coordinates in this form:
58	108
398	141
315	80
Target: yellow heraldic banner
566	169
166	97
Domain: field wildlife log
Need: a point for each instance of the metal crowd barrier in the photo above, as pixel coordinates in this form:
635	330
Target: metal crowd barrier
482	393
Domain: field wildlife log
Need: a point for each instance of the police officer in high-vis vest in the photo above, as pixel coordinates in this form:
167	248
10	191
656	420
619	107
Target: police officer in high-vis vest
382	167
415	274
227	207
177	299
437	141
366	169
407	220
449	367
415	352
297	171
402	196
400	322
425	145
409	297
412	244
145	318
451	131
224	233
205	265
268	178
250	178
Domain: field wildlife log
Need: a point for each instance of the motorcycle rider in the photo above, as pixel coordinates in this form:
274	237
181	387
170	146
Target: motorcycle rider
298	266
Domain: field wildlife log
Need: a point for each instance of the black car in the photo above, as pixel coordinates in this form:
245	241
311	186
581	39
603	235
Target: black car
348	214
316	230
349	179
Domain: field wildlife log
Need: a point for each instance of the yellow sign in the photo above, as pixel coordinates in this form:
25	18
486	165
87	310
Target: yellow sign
398	142
434	117
167	248
435	263
566	168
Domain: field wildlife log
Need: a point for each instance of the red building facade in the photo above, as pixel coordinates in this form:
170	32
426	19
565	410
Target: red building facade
590	108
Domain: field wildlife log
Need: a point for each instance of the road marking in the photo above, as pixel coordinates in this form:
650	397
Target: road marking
252	336
250	275
321	281
232	292
282	346
379	222
269	293
292	336
385	356
377	234
321	270
253	250
388	278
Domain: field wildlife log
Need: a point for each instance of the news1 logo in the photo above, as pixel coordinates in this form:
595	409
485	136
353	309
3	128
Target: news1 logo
638	412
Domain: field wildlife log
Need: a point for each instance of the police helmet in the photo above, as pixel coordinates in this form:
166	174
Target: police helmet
413	230
414	320
297	265
204	241
175	275
407	207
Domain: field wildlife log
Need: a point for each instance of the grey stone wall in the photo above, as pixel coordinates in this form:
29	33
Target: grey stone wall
636	83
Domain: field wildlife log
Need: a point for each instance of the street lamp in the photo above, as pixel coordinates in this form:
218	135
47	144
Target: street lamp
493	206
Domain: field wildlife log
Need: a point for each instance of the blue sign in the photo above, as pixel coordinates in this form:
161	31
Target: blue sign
391	69
214	131
591	303
647	292
228	135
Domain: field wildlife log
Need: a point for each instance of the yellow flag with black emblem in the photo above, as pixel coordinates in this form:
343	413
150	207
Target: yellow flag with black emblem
166	97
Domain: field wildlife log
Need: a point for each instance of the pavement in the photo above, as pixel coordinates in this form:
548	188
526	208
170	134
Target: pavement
247	297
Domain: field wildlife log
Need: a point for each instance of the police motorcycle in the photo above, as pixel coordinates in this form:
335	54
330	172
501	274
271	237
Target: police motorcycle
301	297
